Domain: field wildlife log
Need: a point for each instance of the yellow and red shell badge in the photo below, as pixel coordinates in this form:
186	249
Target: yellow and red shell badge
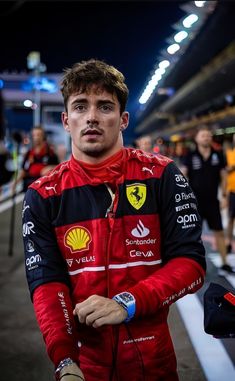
77	239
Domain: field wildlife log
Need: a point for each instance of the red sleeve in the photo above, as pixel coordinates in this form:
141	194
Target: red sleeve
54	313
179	277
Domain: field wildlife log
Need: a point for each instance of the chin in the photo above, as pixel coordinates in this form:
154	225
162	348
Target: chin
94	152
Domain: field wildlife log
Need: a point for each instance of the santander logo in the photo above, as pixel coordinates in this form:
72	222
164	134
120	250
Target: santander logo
140	230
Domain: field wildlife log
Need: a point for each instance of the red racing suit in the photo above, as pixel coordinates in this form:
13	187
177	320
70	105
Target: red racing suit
140	233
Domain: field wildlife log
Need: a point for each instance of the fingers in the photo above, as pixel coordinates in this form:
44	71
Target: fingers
83	309
89	317
92	309
97	311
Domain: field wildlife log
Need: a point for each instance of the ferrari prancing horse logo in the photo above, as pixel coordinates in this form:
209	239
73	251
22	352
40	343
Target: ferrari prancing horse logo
136	194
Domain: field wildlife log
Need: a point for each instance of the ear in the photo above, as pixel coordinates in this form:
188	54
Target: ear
124	120
65	121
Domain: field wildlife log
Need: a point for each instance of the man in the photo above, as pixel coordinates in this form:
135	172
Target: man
110	242
205	169
38	160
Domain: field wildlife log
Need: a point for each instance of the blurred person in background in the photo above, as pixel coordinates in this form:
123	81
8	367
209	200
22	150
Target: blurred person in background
160	146
205	169
177	149
108	244
38	160
230	157
145	143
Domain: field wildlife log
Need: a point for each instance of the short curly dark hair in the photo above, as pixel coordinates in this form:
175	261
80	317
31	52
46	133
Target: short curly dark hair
84	74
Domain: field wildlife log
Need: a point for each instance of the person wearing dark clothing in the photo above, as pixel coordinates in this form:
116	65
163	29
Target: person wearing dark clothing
205	169
108	244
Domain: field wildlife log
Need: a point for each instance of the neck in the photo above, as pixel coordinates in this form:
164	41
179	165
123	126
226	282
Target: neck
204	150
98	157
38	145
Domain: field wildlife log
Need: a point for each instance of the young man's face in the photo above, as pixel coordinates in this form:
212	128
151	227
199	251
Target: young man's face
95	124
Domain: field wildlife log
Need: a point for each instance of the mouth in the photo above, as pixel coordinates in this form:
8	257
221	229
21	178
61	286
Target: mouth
91	132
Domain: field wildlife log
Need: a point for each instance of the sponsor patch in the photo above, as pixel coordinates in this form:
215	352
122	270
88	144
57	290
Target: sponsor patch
30	246
28	228
136	194
187	221
77	239
140	230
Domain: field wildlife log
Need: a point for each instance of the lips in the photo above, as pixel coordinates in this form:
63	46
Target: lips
91	132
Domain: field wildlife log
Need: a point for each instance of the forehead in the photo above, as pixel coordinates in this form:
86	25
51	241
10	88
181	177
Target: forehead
37	132
145	139
94	90
202	133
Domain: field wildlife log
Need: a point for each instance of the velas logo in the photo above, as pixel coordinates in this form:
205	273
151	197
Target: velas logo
77	239
136	194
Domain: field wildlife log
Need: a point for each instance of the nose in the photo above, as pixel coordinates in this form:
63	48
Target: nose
92	117
92	122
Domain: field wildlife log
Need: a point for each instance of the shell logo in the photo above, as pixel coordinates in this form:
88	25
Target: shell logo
77	238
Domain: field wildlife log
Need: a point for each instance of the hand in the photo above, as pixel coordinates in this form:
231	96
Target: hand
97	311
71	373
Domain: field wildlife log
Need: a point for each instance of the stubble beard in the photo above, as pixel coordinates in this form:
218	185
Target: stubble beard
94	150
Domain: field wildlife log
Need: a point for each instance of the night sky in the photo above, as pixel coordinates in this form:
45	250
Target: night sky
126	34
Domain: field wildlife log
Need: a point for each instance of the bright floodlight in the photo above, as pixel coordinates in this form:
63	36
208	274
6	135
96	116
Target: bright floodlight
172	49
154	80
28	103
199	4
144	97
180	36
164	64
143	100
190	20
160	71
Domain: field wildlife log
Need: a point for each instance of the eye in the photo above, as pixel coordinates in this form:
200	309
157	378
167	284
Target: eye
80	107
106	107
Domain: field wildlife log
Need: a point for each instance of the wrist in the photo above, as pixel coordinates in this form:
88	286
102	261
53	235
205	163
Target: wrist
127	301
64	365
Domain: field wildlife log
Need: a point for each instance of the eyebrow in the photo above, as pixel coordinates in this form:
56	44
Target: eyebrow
99	102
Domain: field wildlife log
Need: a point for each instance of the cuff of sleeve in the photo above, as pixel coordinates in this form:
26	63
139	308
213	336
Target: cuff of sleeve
141	295
62	351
